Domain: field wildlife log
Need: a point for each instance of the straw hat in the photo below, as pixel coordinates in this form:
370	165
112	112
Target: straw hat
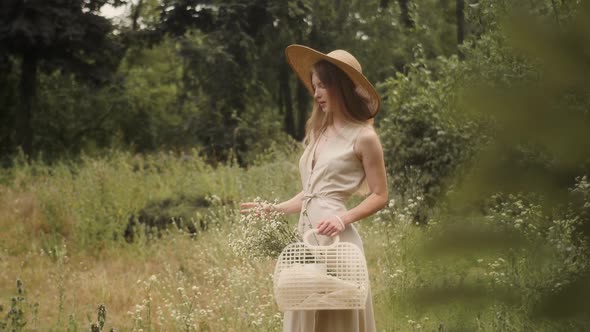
302	58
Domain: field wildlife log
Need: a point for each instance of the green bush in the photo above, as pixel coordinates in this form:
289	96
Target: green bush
424	138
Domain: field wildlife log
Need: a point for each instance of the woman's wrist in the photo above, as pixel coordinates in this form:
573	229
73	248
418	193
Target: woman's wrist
280	207
271	207
340	221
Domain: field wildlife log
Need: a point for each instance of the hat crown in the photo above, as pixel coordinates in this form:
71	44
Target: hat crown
349	59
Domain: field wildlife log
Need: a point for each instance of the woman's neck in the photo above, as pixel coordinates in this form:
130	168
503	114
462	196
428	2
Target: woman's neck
341	119
338	119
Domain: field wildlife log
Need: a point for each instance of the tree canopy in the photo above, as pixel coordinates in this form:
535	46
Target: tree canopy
69	36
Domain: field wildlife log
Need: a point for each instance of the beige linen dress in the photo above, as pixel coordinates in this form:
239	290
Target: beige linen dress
336	175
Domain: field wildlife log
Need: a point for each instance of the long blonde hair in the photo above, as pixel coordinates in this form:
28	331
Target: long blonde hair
339	86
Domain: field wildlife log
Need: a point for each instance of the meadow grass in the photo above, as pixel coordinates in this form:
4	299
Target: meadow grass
62	237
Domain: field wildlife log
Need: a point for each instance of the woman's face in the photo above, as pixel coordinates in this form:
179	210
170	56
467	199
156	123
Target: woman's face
321	94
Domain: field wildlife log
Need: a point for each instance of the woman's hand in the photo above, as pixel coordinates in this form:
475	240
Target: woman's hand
293	205
249	207
331	226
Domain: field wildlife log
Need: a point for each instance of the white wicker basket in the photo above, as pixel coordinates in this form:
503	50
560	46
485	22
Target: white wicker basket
310	277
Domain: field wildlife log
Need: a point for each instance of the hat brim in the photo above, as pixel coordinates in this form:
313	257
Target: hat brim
302	58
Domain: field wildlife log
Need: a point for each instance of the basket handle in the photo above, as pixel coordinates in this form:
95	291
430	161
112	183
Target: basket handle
335	239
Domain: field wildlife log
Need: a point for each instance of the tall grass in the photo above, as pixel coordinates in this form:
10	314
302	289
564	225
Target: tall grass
62	237
63	231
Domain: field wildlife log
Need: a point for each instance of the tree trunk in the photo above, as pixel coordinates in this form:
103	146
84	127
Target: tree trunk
460	26
405	13
302	105
555	13
286	102
301	95
28	95
135	13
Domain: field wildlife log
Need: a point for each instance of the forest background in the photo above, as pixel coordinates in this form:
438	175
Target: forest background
126	145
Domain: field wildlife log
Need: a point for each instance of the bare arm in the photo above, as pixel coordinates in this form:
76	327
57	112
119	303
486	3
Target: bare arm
371	154
290	206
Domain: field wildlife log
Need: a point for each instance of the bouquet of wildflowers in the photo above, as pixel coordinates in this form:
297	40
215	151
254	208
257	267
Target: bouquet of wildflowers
263	233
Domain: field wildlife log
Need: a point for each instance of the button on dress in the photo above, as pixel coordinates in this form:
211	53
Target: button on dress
327	185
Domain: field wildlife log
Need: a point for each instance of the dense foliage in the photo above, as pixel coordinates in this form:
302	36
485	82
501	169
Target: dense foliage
50	36
194	73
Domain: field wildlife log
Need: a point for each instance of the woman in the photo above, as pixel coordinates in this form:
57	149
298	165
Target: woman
342	152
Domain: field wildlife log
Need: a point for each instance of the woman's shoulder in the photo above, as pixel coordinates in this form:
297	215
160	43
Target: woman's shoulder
366	140
365	131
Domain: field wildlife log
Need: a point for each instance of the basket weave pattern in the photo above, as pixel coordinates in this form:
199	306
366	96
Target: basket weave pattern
315	277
